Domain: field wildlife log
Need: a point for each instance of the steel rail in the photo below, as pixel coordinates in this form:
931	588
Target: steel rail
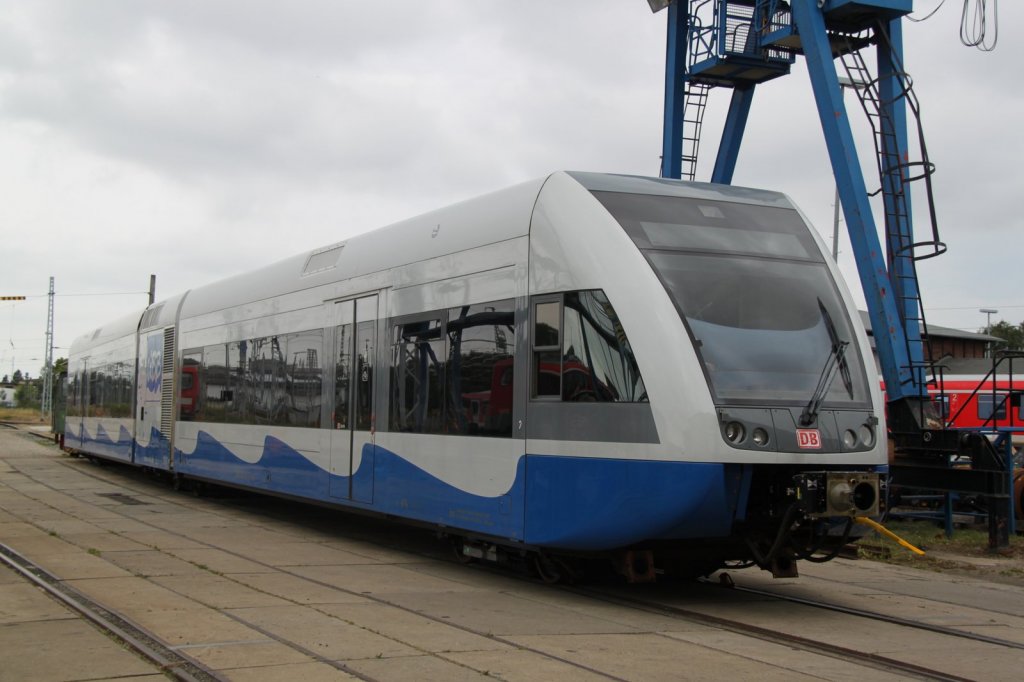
136	638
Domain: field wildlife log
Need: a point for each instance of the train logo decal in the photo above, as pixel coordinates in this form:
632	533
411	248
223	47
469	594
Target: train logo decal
808	439
154	363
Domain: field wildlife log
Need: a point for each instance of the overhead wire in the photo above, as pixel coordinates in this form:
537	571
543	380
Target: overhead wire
974	29
930	14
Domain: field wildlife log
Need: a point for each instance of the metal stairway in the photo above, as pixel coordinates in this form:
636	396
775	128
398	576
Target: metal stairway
896	171
693	118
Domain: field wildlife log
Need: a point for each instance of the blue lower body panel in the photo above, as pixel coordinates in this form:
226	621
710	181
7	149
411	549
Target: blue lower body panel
592	503
559	502
103	441
156	453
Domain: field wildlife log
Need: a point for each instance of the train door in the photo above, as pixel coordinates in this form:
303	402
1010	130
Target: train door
154	404
353	420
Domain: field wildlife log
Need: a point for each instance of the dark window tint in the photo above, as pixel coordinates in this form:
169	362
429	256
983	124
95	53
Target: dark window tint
303	378
597	361
986	402
417	386
193	388
660	222
591	359
479	379
273	380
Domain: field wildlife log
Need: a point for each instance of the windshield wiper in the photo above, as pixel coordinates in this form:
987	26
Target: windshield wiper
836	361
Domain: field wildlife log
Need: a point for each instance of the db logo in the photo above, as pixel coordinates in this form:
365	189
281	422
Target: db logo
808	439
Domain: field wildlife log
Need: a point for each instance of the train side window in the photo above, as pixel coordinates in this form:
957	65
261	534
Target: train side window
985	406
303	378
417	381
480	370
547	370
217	385
192	389
581	354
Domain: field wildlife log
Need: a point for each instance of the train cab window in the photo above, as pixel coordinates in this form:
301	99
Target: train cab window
480	372
547	367
588	357
985	405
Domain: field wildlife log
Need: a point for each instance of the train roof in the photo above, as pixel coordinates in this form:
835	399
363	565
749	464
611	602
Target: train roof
118	328
636	184
488	219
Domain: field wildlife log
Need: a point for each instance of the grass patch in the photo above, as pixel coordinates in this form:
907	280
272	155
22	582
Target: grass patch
926	535
21	415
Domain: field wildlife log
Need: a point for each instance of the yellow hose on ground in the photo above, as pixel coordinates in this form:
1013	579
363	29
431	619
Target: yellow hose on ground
888	533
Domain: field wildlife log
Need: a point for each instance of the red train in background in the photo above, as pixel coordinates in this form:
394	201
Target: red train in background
982	403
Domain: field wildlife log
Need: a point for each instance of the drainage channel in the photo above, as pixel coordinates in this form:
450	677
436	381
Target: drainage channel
170	662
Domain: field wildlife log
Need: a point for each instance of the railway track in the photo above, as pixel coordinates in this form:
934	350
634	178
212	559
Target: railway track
137	639
187	669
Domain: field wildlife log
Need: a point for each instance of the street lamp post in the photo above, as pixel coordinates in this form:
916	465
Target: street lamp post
844	83
989	312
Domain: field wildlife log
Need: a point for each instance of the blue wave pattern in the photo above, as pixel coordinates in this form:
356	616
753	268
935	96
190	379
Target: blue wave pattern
103	444
156	454
583	503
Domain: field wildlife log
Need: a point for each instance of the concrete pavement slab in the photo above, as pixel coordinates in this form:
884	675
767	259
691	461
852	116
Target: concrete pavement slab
152	562
77	563
160	539
296	589
504	614
21	602
653	657
419	632
520	665
257	653
322	633
220	561
417	668
63	651
105	541
306	672
217	591
381	579
304	554
782	656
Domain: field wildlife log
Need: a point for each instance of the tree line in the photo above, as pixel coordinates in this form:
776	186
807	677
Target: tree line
1012	334
28	392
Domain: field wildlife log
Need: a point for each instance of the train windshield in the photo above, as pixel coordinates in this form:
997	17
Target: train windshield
756	295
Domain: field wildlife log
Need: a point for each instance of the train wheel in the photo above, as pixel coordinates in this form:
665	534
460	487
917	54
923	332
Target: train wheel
552	570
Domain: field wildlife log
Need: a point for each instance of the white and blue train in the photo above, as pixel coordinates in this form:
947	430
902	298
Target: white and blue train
669	373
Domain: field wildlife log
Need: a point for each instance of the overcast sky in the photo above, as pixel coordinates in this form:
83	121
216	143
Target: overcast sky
197	139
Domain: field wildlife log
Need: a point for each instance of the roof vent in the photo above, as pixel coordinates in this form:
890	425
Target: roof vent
322	259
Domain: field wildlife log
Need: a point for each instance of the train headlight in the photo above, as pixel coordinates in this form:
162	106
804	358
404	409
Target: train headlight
734	432
849	439
760	437
866	435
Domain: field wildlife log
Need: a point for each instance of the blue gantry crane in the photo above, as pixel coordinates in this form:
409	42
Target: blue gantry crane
740	44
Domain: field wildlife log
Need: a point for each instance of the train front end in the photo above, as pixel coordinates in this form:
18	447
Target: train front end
754	362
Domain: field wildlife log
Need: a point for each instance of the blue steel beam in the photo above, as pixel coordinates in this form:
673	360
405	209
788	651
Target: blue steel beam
675	93
732	134
886	322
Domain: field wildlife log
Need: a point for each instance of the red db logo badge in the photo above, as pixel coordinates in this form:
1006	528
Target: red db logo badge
808	439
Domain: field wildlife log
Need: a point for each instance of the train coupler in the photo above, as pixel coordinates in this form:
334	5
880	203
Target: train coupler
837	493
